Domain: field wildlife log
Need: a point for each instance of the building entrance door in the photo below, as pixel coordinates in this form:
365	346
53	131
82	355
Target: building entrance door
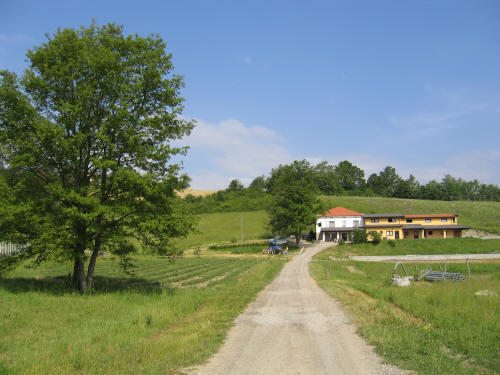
396	234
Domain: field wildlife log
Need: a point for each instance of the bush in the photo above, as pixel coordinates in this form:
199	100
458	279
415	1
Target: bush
375	236
359	236
341	242
391	243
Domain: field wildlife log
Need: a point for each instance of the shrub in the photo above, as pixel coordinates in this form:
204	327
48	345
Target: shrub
358	236
391	243
341	242
375	236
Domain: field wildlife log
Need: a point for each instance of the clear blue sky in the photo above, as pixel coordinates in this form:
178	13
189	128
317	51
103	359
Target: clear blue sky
412	84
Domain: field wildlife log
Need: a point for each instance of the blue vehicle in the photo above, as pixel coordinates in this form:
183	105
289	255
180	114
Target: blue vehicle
274	245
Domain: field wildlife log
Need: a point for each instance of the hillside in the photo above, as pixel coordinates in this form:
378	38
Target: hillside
476	214
226	227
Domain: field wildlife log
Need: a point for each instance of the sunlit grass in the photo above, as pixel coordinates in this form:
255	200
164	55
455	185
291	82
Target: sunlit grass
157	317
432	328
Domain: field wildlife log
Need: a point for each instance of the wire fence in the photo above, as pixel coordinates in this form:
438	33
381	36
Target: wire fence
8	249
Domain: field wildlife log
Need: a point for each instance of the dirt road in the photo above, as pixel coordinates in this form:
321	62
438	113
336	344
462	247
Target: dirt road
293	327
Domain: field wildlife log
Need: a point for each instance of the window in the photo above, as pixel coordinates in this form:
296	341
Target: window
406	234
429	233
319	224
389	233
344	223
381	231
409	220
428	220
356	223
332	224
374	220
391	220
444	220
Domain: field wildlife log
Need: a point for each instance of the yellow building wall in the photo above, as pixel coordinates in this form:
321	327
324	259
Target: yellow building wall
383	221
435	233
384	234
434	221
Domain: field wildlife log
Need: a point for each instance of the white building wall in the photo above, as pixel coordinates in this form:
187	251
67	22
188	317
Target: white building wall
340	221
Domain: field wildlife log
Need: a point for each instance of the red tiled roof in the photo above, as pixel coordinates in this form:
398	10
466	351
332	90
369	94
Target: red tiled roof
341	211
429	216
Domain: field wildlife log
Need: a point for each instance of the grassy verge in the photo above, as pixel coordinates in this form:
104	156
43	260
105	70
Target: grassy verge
419	246
439	328
226	227
157	317
479	215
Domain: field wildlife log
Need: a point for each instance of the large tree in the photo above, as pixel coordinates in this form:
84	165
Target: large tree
295	202
87	136
350	176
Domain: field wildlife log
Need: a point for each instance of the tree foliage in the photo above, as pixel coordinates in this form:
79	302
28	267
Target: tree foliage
359	236
87	136
295	202
235	185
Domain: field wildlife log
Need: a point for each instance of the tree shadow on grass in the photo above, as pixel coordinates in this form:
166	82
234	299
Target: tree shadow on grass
60	285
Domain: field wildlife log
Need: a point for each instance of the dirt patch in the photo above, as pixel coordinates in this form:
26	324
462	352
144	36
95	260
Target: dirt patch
353	269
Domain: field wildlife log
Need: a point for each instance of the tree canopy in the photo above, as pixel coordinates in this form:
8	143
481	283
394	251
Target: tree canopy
295	204
86	135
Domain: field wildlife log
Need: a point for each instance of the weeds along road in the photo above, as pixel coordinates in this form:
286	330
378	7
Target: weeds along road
294	327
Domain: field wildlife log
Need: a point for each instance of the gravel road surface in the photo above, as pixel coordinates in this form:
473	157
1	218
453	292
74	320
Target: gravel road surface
423	258
294	327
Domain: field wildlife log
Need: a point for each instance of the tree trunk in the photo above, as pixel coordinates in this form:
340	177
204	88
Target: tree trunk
93	258
297	239
75	274
80	276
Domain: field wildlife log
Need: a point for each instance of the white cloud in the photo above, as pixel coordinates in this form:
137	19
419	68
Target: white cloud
453	107
232	149
229	149
481	165
247	60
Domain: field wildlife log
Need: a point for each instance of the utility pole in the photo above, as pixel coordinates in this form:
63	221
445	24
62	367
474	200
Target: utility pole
242	230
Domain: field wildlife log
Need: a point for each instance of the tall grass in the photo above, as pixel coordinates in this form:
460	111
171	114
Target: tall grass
157	317
431	328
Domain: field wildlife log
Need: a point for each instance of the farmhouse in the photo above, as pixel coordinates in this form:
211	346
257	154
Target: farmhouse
339	222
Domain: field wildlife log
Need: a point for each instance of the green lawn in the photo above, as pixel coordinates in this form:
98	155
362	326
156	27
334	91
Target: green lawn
431	328
418	246
479	215
158	317
226	227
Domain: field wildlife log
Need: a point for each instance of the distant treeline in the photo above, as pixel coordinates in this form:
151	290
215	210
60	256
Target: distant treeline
346	178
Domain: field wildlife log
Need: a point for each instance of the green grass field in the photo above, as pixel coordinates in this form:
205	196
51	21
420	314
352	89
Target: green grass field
479	215
157	317
413	247
431	328
226	227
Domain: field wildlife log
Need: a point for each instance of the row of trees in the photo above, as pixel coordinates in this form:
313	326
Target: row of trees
346	178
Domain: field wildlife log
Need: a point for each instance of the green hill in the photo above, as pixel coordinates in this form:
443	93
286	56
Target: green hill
476	214
226	227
